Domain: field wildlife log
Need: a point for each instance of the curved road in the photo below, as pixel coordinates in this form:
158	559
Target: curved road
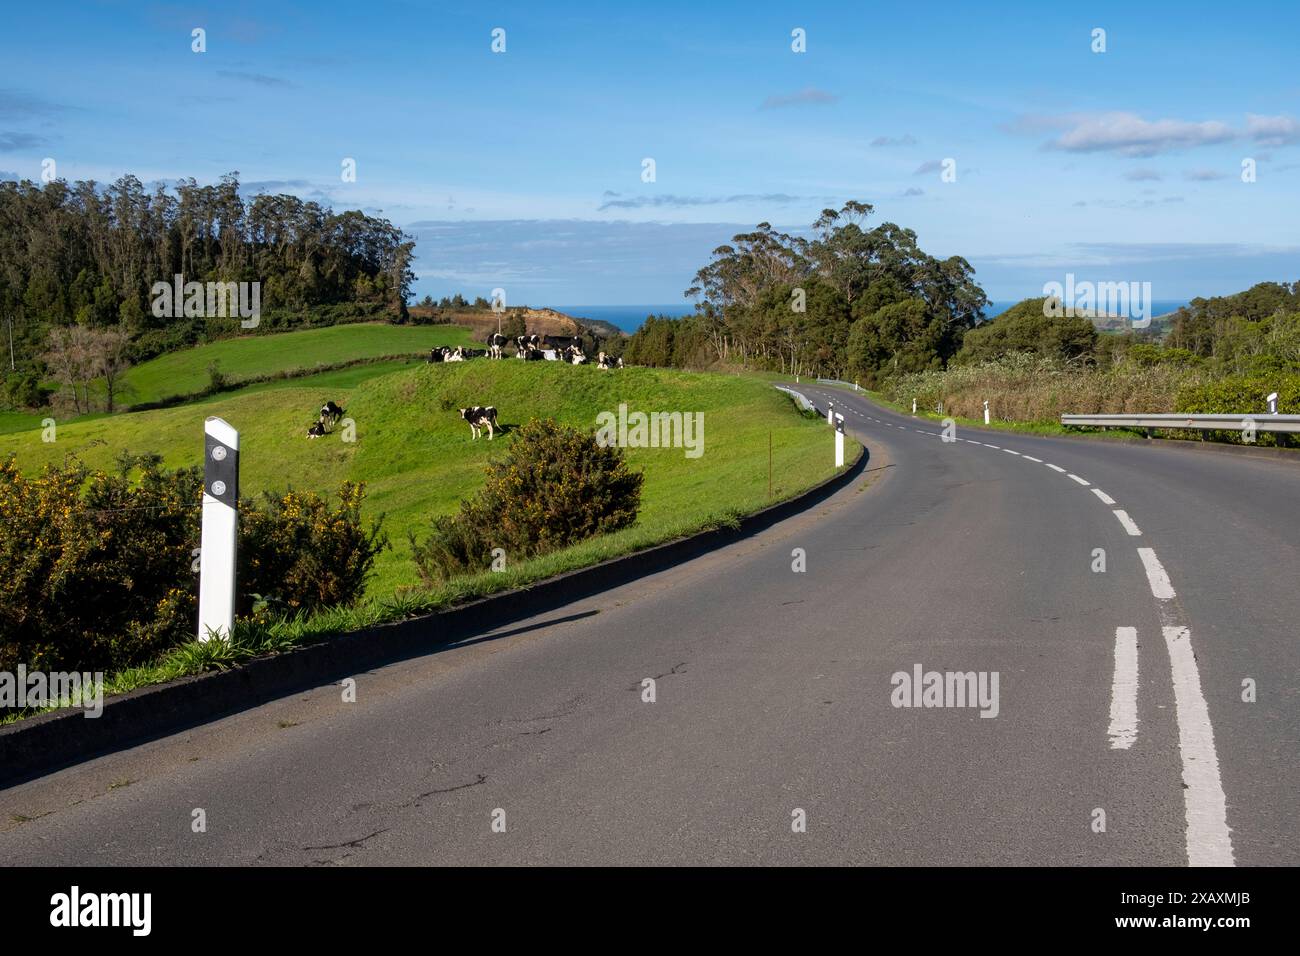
1119	733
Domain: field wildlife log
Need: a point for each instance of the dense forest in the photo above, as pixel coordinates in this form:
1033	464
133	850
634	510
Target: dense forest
851	301
78	261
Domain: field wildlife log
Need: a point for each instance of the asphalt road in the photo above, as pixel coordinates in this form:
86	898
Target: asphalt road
1118	735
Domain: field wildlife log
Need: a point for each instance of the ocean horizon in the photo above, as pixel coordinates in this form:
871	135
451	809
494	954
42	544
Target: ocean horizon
629	318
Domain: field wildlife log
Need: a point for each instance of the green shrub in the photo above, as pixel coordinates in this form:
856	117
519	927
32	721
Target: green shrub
555	487
1244	395
97	570
299	554
24	390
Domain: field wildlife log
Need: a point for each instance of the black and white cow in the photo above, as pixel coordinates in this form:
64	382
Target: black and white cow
574	355
439	353
480	417
524	343
496	344
316	431
561	342
455	355
330	414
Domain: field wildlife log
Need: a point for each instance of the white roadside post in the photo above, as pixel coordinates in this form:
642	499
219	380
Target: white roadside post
220	529
839	441
830	413
986	411
913	406
1272	403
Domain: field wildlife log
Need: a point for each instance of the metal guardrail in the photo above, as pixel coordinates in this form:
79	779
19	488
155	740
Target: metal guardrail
799	397
1263	422
836	381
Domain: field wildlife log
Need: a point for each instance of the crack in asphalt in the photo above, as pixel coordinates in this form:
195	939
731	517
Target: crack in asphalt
637	686
354	844
482	778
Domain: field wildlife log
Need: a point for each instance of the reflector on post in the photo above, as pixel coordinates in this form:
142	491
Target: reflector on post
220	529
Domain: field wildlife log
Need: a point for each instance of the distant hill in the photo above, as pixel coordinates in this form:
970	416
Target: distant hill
539	321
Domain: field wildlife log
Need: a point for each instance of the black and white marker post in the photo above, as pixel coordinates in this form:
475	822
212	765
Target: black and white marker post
839	440
220	529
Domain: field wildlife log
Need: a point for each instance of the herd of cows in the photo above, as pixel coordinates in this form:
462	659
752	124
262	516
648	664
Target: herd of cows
554	348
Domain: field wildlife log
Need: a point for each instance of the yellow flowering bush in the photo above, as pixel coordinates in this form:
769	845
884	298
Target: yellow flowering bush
99	571
555	487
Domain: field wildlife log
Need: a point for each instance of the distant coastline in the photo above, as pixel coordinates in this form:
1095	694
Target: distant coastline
629	317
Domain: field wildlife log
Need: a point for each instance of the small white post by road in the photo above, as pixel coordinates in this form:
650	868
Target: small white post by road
913	406
986	412
1272	403
830	413
839	441
220	529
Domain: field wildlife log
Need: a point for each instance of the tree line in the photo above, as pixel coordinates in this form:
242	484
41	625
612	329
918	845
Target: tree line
849	301
85	256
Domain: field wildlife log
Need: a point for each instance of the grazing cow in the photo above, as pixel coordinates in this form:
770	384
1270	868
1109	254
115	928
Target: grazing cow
496	344
561	342
480	417
330	414
316	431
525	342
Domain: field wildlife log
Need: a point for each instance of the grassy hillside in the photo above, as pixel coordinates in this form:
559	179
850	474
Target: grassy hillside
418	460
186	372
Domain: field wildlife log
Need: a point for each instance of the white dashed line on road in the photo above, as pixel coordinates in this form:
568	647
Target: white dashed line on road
1156	576
1129	525
1074	477
1123	727
1106	499
1209	841
1054	467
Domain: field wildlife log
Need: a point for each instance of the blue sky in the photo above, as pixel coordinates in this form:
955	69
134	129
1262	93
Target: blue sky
523	169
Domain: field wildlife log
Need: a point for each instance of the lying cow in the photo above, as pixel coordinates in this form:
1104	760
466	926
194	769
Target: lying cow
480	417
530	354
439	354
455	355
316	431
574	355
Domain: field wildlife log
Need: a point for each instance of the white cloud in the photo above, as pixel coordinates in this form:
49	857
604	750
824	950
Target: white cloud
1272	130
1131	135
